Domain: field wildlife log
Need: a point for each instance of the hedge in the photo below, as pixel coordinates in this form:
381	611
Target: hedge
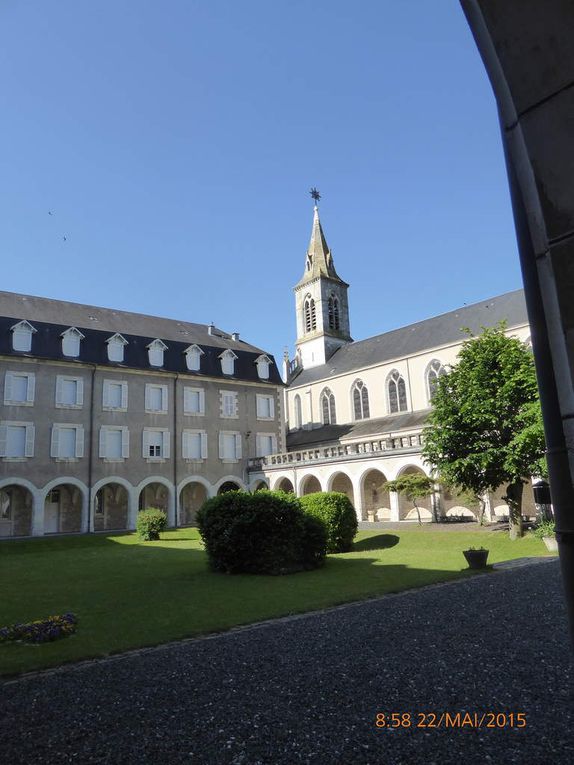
262	533
337	513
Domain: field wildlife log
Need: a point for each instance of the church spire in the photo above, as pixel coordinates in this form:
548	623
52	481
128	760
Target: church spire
318	261
320	302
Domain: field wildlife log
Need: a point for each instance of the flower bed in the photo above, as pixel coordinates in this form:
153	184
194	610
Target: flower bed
40	631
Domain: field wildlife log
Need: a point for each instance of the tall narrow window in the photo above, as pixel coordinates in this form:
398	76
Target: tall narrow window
310	314
298	413
397	392
328	407
434	370
333	308
360	400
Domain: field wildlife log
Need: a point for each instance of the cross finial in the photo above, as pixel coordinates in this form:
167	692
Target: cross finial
315	194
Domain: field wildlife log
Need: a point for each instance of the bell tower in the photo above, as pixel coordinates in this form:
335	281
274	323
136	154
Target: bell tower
321	302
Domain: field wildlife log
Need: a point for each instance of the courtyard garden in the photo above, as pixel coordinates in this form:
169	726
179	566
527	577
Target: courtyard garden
127	593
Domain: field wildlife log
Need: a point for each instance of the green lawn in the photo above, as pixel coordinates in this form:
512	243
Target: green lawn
128	593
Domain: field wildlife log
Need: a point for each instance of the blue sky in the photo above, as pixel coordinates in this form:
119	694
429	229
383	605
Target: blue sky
175	142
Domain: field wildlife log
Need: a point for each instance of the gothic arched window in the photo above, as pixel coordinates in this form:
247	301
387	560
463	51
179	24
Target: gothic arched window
328	407
333	307
434	370
360	400
298	416
397	392
310	315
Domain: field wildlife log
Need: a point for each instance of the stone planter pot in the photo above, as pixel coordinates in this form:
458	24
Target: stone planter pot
551	544
476	558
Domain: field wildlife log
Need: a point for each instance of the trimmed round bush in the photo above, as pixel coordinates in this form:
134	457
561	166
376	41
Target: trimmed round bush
262	533
337	513
149	523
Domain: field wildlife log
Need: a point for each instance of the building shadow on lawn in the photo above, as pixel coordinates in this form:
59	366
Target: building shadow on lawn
377	542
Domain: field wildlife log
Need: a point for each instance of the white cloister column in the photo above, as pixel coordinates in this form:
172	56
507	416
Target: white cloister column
395	510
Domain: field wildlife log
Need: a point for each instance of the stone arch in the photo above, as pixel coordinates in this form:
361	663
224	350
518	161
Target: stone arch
64	506
284	484
309	485
16	508
259	486
228	486
455	505
228	479
111	506
406	510
376	499
192	495
154	492
342	483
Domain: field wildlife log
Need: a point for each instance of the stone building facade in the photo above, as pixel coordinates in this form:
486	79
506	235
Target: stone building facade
106	412
355	409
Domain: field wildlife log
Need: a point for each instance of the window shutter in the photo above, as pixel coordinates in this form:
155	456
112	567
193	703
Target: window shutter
79	441
58	390
145	444
3	440
55	442
8	387
258	448
185	445
274	444
31	388
102	442
271	406
238	446
124	395
106	394
80	392
204	446
202	401
29	449
147	398
259	400
125	441
165	444
163	399
186	401
221	446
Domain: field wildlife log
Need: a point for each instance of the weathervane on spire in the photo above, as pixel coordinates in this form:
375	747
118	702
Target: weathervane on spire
315	194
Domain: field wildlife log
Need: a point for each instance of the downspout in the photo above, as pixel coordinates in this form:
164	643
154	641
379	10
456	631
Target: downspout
176	498
91	450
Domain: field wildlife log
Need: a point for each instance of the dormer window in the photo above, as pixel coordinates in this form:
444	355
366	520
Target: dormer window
71	342
263	363
228	362
155	352
193	356
116	344
22	336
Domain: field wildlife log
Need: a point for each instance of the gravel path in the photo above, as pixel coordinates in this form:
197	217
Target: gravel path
307	690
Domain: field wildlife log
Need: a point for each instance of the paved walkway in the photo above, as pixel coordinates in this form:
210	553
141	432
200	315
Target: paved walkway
307	690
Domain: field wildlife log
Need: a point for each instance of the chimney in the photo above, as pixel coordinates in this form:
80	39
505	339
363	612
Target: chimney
235	335
211	329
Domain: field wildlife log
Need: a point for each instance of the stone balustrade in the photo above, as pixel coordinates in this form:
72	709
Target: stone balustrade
323	454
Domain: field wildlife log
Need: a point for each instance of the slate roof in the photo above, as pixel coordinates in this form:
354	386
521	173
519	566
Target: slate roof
379	427
52	317
418	337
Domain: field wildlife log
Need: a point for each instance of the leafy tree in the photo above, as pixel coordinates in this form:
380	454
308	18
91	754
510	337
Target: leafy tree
485	428
413	486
